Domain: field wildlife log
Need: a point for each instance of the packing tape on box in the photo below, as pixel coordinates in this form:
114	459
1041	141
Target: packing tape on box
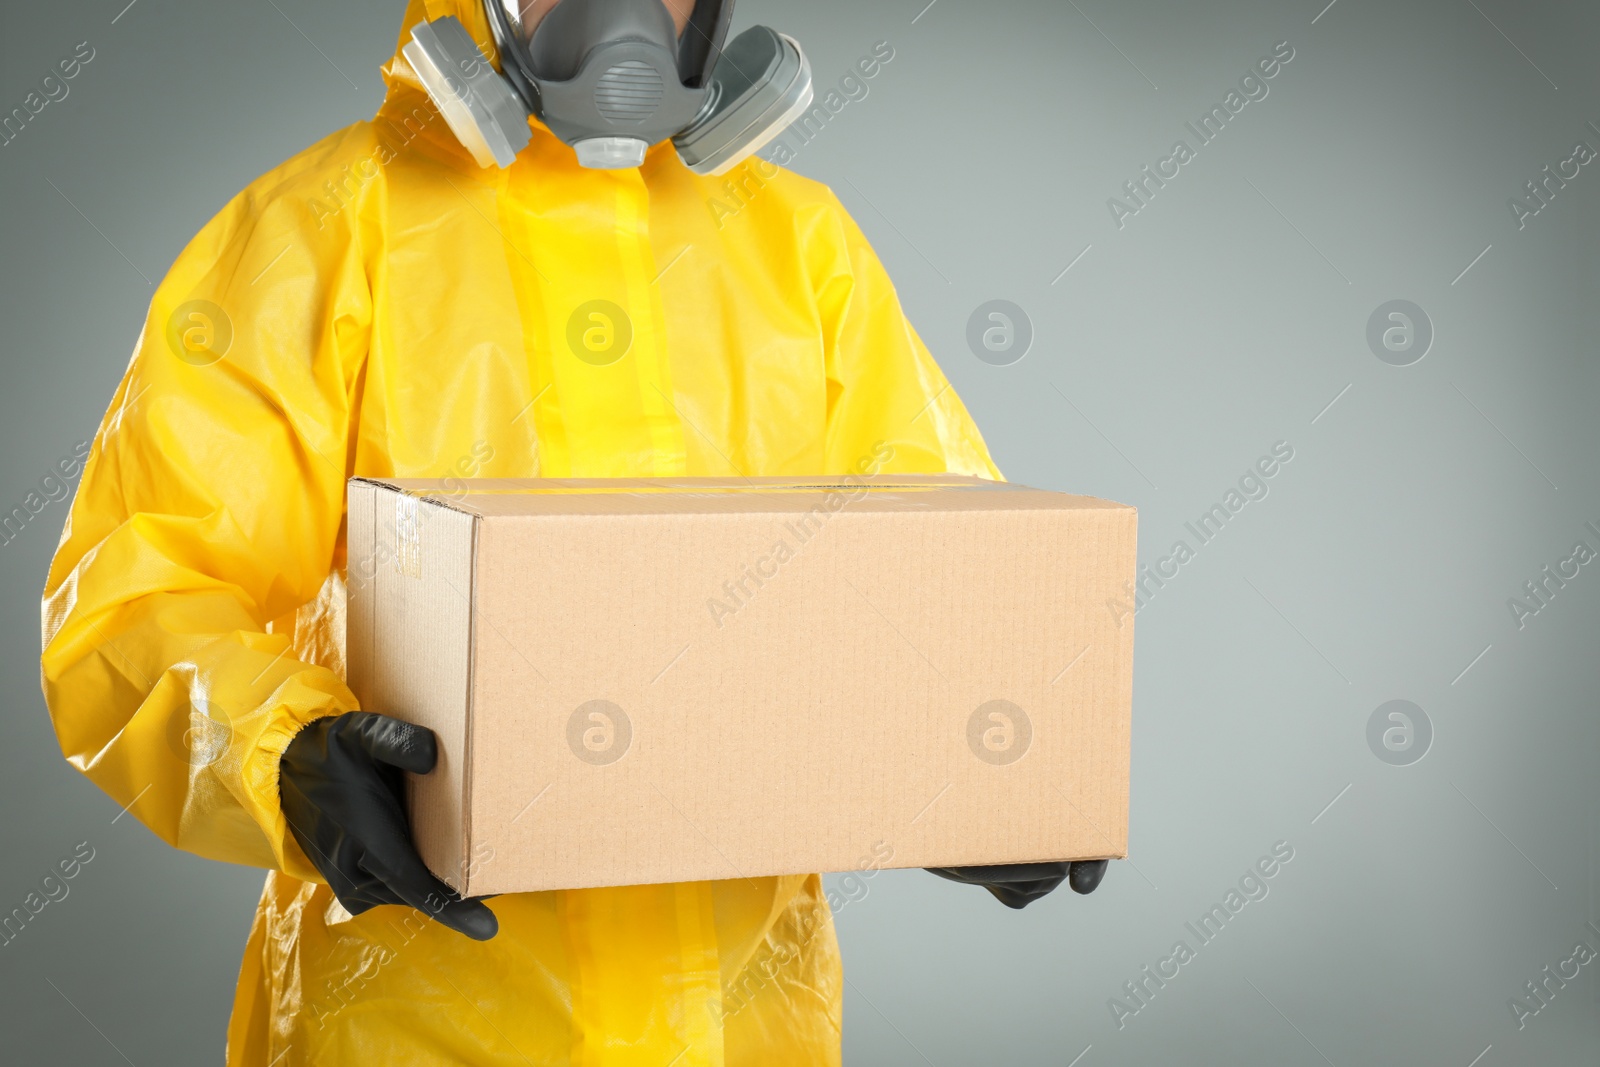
408	535
703	490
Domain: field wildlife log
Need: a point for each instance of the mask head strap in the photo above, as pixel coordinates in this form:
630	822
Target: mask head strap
508	41
701	44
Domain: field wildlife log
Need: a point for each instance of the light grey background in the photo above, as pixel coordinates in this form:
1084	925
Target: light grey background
1226	316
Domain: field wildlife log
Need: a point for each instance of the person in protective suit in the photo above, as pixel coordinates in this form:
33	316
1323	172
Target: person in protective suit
383	304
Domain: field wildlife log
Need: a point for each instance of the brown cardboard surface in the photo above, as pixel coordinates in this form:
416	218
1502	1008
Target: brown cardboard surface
652	681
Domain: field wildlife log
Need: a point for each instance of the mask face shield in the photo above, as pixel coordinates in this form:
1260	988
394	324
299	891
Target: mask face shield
611	78
513	14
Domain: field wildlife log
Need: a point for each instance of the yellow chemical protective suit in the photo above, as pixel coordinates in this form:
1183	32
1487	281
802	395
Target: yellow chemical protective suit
380	306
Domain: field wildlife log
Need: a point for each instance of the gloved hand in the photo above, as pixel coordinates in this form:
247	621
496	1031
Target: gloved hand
1017	885
342	791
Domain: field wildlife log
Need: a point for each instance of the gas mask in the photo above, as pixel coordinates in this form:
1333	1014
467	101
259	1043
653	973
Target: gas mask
611	78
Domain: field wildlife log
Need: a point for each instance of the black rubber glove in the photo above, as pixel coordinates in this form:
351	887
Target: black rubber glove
342	789
1020	884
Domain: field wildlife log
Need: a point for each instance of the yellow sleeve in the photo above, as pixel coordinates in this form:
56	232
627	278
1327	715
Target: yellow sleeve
211	504
887	398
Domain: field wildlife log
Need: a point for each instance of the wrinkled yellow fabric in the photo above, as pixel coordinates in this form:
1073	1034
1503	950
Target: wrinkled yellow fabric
389	309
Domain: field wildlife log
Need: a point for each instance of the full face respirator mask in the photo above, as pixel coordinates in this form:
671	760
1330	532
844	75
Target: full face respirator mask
612	78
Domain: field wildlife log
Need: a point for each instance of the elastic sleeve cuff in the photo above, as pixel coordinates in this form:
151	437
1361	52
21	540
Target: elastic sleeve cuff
261	768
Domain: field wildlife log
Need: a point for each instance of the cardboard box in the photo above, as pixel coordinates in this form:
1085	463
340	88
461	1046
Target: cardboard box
661	681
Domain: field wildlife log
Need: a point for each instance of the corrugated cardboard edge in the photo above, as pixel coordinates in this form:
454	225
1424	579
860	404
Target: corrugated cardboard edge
1132	676
357	615
469	496
465	864
360	582
365	497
